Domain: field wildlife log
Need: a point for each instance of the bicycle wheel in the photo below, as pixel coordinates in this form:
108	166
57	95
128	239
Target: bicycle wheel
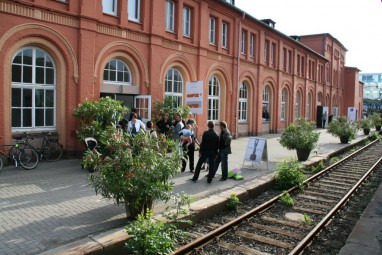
13	153
28	158
52	151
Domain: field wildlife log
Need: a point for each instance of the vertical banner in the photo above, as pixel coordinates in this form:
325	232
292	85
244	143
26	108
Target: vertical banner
194	96
352	114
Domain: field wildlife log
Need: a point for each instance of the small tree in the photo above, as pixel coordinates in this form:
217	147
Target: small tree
168	106
96	116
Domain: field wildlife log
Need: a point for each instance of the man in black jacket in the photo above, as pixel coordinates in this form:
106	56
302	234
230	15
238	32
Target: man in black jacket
224	150
208	149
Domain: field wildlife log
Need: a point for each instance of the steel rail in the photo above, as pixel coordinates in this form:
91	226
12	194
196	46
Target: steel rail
302	245
201	241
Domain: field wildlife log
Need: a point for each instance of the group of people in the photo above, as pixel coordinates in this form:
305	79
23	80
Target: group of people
213	148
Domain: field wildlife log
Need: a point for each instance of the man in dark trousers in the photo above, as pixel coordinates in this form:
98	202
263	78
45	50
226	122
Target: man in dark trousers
208	149
224	150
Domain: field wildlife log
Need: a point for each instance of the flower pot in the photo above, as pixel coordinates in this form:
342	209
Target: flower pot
366	131
302	155
344	139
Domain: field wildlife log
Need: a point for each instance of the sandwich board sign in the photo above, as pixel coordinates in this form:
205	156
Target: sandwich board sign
256	150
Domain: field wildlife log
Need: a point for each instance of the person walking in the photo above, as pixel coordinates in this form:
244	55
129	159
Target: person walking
164	125
178	125
189	151
208	149
224	149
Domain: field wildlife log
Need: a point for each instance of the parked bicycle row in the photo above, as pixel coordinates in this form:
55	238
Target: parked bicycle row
27	151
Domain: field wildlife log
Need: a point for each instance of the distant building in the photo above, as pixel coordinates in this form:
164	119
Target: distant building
56	53
372	85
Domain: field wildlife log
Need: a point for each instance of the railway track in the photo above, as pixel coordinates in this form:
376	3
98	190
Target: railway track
273	228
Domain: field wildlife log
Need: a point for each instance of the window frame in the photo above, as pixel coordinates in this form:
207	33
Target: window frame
186	24
224	35
116	81
243	102
284	99
34	86
171	93
113	10
212	31
170	16
136	14
213	110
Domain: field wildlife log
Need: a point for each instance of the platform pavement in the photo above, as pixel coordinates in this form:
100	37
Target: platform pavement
54	204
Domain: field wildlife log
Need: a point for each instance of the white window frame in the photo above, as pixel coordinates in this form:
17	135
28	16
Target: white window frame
297	112
243	102
213	111
283	104
187	21
125	69
252	45
212	30
170	16
35	88
134	10
174	87
225	35
110	7
243	39
266	99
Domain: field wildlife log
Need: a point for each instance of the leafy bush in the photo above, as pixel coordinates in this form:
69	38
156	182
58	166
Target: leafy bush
307	219
168	106
233	202
299	135
376	119
288	175
342	127
287	200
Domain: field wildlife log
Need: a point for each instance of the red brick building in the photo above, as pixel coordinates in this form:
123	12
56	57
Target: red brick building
56	53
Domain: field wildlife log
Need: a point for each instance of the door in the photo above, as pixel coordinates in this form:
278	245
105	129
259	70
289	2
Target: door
143	106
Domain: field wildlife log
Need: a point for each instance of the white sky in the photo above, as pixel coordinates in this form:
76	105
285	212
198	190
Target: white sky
357	24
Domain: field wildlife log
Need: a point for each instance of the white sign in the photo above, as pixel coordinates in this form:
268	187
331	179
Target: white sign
194	96
256	150
352	113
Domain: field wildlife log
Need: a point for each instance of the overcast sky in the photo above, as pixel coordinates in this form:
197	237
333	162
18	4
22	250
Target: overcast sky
357	24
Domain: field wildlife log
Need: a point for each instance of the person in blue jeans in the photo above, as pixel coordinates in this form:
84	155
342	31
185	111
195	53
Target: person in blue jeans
224	149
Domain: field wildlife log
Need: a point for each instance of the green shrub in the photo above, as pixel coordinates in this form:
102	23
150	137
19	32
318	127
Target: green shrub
286	199
375	136
307	219
233	202
288	175
333	160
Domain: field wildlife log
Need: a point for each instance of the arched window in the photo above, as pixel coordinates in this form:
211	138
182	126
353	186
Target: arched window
266	103
319	98
33	90
174	86
284	98
116	71
213	98
243	102
297	112
309	107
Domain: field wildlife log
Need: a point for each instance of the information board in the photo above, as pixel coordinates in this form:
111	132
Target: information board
194	96
256	150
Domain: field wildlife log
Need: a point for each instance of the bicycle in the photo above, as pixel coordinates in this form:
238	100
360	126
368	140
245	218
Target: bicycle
50	148
20	153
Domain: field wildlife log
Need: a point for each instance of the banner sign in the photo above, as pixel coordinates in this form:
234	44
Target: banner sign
194	96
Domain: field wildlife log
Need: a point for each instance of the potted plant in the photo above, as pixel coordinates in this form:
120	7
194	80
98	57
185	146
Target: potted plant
300	136
365	125
376	120
342	128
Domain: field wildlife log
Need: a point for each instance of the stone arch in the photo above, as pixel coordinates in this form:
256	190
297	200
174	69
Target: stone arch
130	55
182	63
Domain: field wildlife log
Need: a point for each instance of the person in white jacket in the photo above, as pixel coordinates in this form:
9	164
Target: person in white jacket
135	125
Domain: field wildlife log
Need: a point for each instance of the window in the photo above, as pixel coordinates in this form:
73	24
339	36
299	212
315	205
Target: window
134	10
243	102
297	105
309	107
186	21
33	90
266	51
212	30
213	99
252	45
284	59
174	86
273	54
109	6
266	103
116	71
224	35
289	61
283	104
170	15
243	39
